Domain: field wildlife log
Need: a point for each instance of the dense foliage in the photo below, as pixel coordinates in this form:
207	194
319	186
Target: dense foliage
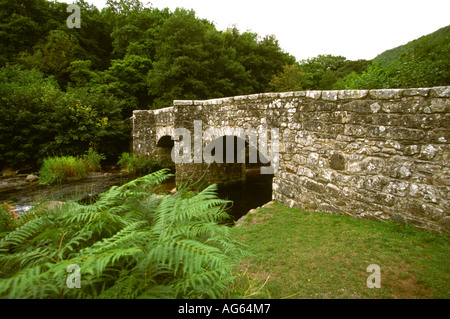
38	119
319	73
131	243
63	89
424	62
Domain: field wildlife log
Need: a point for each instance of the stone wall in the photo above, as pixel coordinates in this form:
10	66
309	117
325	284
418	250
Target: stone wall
148	127
378	154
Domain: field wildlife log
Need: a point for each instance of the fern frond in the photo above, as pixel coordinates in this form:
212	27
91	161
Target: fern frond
29	283
128	244
21	234
96	264
123	238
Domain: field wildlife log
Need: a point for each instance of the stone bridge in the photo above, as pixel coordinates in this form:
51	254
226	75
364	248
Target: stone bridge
378	154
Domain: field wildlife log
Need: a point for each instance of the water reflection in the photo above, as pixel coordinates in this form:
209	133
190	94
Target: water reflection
255	191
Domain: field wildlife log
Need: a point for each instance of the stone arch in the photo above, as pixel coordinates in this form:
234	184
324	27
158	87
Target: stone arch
257	144
163	150
234	149
230	156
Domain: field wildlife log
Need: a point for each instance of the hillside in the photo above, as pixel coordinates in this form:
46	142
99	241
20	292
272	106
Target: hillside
428	41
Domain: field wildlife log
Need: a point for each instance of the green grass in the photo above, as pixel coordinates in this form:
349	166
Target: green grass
135	164
297	254
60	168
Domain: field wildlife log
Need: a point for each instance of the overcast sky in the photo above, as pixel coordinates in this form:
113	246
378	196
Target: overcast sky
355	29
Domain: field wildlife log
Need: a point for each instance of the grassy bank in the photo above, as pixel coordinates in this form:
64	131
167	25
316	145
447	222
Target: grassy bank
296	254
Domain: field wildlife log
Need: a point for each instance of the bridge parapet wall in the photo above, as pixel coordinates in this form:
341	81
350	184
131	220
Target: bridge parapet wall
377	154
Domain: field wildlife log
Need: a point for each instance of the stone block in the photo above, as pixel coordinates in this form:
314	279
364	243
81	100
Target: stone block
372	165
397	188
386	94
352	94
313	94
440	135
355	130
400	167
312	185
428	193
416	92
392	107
338	162
183	102
428	152
438	106
401	133
304	171
330	95
357	106
440	91
375	183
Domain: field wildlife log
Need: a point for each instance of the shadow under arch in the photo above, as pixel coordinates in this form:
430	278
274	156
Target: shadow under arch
164	148
234	157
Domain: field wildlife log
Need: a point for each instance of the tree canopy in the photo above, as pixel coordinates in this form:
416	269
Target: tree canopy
131	56
64	89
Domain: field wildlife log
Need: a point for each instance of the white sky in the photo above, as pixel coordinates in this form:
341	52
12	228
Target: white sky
356	29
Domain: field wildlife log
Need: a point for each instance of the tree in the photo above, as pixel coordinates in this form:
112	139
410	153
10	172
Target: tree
23	23
138	29
375	77
55	56
26	103
93	36
193	62
81	74
37	119
126	79
291	79
316	68
262	58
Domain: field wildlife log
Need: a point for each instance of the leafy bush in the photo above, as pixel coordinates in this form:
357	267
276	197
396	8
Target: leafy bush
136	164
130	243
57	169
38	120
375	77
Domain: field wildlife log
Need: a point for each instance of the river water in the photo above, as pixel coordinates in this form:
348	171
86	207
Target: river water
254	192
26	195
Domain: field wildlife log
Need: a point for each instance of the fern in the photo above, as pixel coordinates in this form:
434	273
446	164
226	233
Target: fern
128	244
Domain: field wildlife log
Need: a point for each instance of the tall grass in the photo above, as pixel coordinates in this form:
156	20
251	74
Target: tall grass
135	164
60	168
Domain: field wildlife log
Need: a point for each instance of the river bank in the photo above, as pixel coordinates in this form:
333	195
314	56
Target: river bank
22	191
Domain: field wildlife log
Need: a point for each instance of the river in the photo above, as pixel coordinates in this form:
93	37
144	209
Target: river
254	192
